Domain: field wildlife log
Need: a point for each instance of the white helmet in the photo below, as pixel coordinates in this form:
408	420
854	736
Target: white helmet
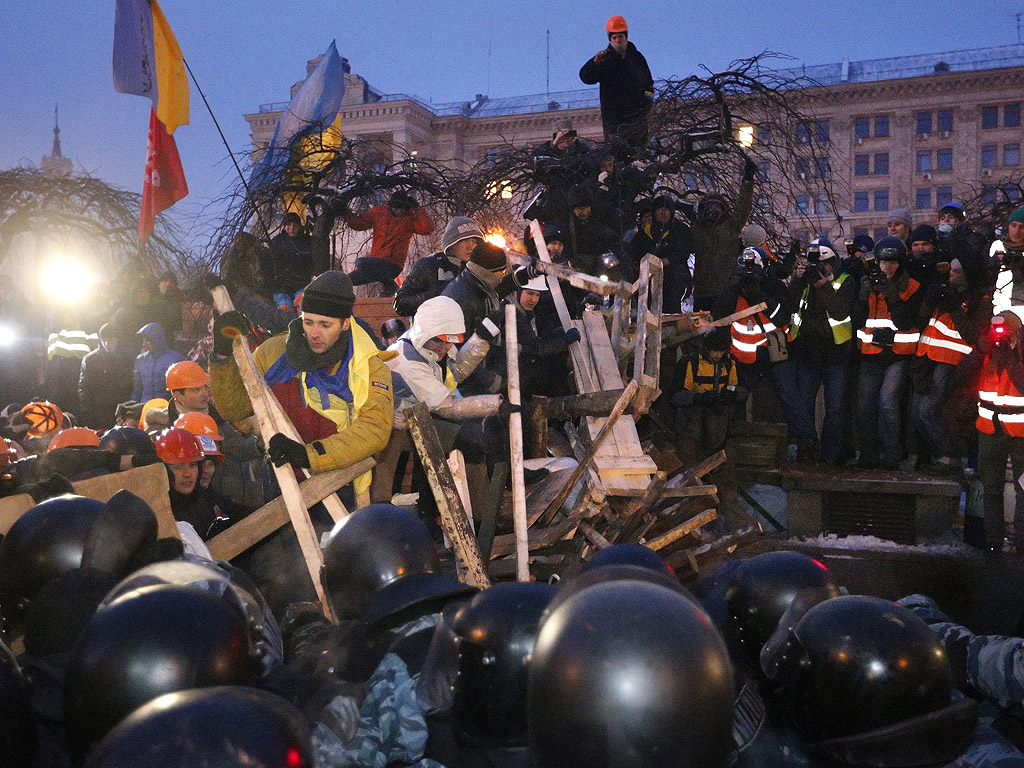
539	283
439	317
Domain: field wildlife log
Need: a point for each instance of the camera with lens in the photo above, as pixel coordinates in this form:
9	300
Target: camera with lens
851	249
813	272
875	273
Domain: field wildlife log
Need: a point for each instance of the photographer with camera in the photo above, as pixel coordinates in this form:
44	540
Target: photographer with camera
958	312
890	300
1009	251
820	346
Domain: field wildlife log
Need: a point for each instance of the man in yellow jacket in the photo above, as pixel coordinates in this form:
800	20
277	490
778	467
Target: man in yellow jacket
325	371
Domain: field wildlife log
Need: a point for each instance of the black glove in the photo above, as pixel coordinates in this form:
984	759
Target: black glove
749	169
489	329
226	329
283	450
507	408
705	398
571	336
515	280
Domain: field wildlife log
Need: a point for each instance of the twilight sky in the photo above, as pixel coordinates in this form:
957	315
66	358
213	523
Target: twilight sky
248	52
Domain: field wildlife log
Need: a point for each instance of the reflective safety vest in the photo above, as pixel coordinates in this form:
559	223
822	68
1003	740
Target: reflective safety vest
704	375
942	342
71	344
904	342
750	333
999	401
842	328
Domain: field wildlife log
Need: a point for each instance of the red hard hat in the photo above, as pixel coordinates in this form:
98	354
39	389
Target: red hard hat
186	375
616	24
178	446
7	453
74	437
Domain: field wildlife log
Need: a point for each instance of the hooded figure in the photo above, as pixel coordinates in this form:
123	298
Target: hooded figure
151	366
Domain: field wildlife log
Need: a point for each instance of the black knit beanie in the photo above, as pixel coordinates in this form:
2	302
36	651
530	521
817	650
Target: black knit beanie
330	294
489	256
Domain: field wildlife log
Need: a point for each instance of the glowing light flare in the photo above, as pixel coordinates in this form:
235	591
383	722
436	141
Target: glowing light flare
495	237
746	136
7	336
66	280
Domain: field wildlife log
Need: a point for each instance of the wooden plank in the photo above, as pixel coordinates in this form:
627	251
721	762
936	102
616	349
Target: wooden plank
627	394
597	490
264	521
573	277
647	371
625	465
583	380
538	538
689	491
593	536
449	505
515	441
699	469
660	542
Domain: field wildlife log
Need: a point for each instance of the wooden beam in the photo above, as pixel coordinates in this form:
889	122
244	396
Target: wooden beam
689	491
579	449
627	395
449	505
573	277
515	443
253	528
660	542
699	469
538	538
593	536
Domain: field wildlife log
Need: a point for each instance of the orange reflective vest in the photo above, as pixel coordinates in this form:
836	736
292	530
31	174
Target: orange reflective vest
999	400
904	342
941	341
749	333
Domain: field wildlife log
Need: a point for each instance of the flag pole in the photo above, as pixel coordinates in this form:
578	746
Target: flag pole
223	138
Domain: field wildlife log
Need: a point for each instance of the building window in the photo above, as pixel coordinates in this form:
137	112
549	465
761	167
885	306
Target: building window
821	205
764	172
803	236
862	127
943	196
923	198
858	231
861	165
803	204
1012	192
1011	115
924	122
860	202
988	195
924	161
822	132
764	136
881	199
944	160
945	121
881	126
803	168
989	117
1011	154
988	155
882	164
823	168
803	134
880	232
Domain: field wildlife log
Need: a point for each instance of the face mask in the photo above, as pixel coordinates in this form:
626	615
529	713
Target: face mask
945	227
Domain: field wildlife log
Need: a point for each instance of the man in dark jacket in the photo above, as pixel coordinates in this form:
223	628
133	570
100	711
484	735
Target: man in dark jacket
627	88
559	165
668	238
288	266
431	275
105	380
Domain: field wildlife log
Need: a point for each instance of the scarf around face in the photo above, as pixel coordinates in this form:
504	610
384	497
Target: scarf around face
299	357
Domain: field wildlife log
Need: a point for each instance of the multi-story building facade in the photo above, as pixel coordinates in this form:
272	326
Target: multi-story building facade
907	132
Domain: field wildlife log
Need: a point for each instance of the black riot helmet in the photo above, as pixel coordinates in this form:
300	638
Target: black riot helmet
17	726
43	543
380	562
757	594
630	673
496	632
148	642
629	554
224	726
128	441
861	675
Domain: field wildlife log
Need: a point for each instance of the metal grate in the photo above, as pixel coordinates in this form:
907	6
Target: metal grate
883	515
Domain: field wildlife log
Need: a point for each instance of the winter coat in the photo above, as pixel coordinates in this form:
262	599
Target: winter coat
815	343
559	170
718	247
329	444
418	377
478	300
288	266
151	367
428	278
391	234
105	379
627	87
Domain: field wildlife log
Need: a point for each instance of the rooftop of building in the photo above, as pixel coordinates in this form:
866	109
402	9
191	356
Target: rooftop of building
841	73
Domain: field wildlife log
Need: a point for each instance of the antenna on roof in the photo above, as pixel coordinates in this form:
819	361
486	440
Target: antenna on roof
1018	29
547	72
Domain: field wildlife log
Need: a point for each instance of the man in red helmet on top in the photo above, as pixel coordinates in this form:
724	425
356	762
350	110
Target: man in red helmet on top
627	88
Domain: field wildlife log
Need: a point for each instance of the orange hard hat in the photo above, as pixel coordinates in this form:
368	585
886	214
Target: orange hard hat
156	402
43	417
178	446
201	424
74	437
186	375
616	24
